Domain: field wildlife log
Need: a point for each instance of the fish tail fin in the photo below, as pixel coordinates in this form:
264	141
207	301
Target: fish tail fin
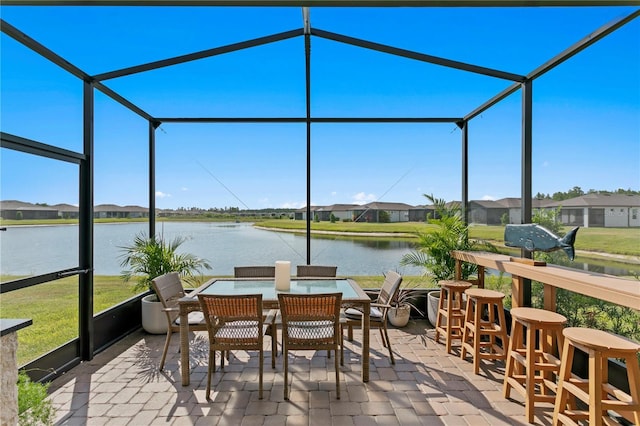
568	241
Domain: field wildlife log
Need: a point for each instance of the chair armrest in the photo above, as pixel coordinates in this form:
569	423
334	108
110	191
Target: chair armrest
170	309
381	305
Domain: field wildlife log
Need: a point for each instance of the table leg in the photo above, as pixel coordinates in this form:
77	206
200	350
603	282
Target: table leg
184	345
366	326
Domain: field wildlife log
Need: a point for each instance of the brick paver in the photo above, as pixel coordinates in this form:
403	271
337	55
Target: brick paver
122	386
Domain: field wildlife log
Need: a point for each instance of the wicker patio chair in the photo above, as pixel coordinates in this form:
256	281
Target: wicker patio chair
310	322
261	272
254	271
378	312
234	323
169	289
316	271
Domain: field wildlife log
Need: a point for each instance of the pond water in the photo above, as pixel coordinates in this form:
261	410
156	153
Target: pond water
33	250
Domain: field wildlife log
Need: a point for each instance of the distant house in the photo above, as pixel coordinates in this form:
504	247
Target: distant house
340	212
67	211
165	212
112	211
487	212
301	213
12	209
422	213
370	212
600	210
419	213
17	210
490	212
397	212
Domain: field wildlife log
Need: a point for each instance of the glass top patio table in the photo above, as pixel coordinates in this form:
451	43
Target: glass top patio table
267	287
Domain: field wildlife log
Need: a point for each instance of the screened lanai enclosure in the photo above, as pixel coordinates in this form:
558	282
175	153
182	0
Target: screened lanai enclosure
250	104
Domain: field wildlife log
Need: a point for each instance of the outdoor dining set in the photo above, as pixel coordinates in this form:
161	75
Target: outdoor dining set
313	308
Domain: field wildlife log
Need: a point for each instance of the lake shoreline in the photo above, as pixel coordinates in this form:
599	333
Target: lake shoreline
632	260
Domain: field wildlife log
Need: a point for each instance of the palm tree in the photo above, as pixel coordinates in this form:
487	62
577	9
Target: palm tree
434	247
150	257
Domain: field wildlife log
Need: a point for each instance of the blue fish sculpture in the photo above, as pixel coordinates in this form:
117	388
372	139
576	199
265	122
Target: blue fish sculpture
533	237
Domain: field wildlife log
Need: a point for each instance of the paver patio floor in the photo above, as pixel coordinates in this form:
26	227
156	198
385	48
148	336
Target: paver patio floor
122	386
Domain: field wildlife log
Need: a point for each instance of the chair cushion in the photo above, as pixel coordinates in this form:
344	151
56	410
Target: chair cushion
374	314
196	317
236	331
310	329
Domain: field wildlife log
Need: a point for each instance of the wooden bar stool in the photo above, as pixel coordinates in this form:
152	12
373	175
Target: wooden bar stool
450	309
596	391
531	362
476	325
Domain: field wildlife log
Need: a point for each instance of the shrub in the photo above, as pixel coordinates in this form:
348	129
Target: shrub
34	405
548	219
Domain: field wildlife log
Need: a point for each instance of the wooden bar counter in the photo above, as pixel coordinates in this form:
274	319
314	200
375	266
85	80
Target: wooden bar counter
621	291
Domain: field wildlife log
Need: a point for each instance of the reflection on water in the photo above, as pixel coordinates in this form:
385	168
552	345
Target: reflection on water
604	269
40	249
600	267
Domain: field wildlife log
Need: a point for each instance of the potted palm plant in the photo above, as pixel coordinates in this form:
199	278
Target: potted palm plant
434	249
149	257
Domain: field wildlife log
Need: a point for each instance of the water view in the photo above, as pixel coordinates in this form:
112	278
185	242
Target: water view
33	250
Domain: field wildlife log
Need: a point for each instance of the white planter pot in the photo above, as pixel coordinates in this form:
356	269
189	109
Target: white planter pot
154	321
399	317
433	299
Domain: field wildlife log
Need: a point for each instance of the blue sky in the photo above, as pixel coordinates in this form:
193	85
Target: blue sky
586	119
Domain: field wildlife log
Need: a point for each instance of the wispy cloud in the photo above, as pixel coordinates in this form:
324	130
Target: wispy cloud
362	198
184	189
293	205
160	194
488	198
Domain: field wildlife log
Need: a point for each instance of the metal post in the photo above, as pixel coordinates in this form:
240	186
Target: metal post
152	178
85	230
526	202
464	125
307	51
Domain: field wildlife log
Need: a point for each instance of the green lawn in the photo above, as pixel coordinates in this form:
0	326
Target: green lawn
53	307
624	241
